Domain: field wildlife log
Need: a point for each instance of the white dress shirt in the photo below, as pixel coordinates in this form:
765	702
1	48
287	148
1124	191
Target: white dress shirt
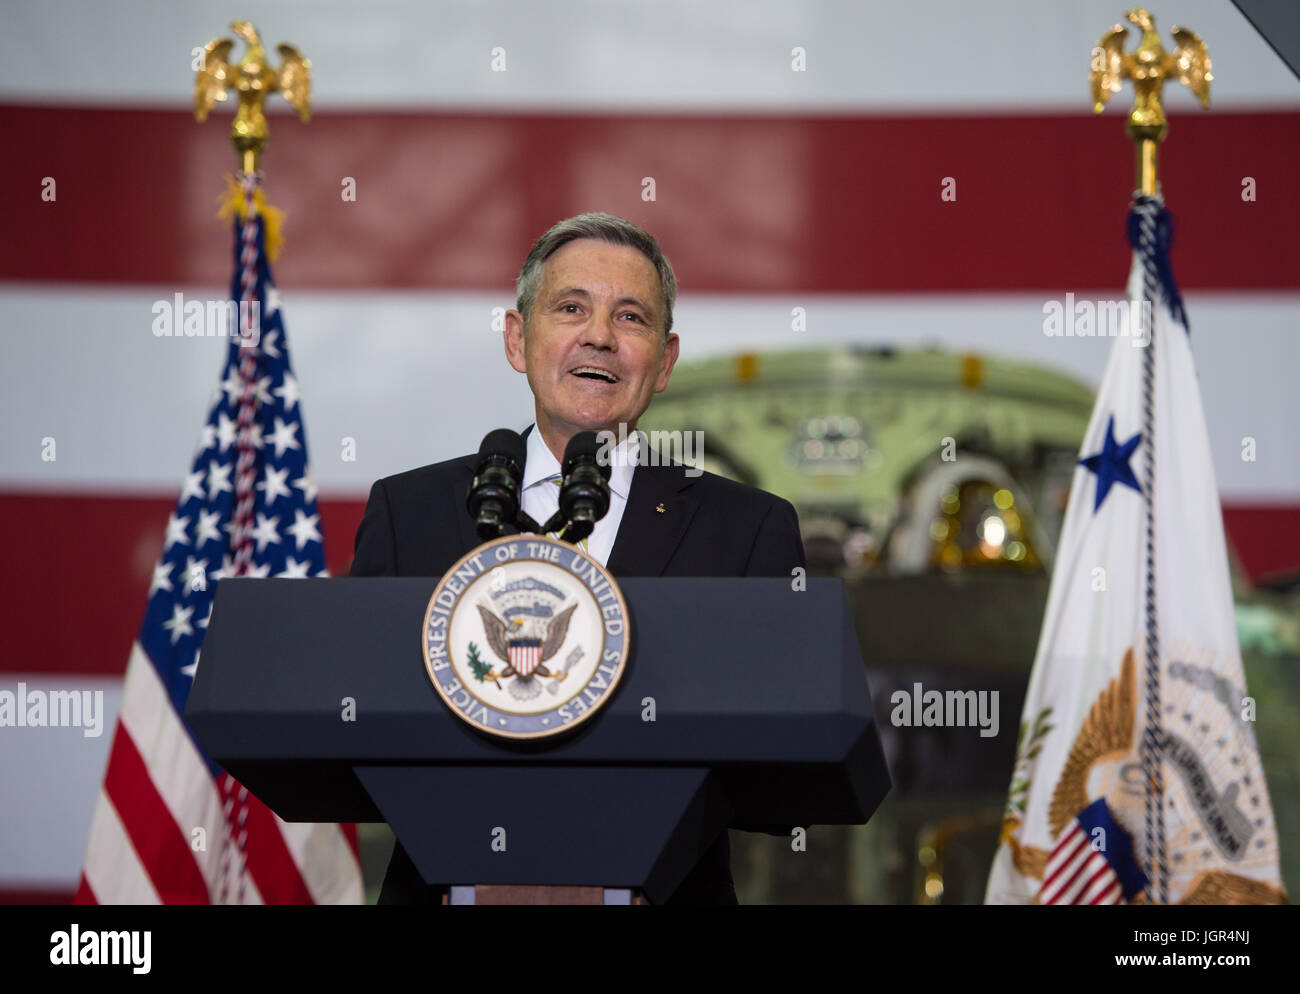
541	499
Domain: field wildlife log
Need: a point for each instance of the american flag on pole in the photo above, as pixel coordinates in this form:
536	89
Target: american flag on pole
1138	698
169	825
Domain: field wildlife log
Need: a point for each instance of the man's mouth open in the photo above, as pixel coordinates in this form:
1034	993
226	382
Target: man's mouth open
594	373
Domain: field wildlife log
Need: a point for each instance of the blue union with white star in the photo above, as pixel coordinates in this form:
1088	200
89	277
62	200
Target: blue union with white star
198	548
1111	464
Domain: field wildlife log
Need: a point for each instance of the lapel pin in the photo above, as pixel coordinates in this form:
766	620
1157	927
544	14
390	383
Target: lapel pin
659	508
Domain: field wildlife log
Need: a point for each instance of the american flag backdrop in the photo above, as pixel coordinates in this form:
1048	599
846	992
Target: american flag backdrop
169	825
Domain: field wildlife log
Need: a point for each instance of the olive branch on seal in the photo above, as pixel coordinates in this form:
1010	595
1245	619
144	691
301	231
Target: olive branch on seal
480	669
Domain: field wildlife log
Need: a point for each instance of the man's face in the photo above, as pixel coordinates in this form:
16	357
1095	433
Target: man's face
594	351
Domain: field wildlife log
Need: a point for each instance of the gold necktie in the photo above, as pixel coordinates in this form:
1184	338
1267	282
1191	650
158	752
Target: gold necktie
582	544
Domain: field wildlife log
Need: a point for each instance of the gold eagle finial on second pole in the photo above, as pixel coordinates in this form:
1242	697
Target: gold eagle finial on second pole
1148	66
253	80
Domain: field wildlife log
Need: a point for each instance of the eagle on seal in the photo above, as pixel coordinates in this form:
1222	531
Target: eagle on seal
547	634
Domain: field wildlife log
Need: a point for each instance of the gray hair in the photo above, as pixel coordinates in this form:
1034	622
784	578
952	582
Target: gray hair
602	227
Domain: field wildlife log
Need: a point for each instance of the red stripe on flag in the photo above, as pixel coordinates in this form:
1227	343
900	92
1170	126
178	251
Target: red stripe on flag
49	551
1108	895
1064	886
1101	871
85	894
129	532
858	199
40	895
1064	854
1266	537
162	844
350	834
270	863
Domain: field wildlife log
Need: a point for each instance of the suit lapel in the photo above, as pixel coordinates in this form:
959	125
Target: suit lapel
654	521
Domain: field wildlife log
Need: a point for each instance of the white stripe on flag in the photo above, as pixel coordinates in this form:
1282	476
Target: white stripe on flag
322	854
1105	880
1070	854
94	322
1084	878
326	861
1065	852
175	766
113	867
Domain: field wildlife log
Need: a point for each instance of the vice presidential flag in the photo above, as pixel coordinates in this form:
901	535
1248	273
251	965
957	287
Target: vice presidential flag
1137	775
170	826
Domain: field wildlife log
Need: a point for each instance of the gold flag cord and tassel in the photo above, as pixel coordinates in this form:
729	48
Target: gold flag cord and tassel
233	203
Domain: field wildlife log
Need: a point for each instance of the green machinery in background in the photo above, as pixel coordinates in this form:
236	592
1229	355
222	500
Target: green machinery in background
860	440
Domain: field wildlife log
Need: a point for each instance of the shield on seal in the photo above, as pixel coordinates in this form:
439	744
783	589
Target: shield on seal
525	656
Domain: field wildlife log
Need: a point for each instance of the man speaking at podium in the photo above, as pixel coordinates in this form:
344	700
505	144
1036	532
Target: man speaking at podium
593	334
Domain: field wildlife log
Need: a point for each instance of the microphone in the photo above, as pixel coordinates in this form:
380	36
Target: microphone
493	499
584	487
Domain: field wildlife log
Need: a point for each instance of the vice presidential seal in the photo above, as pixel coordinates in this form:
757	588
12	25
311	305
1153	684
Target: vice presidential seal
526	637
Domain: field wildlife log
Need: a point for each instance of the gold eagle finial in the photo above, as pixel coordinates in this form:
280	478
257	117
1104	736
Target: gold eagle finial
252	80
1148	66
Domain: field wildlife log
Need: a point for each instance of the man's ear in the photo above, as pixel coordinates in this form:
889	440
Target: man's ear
514	341
667	361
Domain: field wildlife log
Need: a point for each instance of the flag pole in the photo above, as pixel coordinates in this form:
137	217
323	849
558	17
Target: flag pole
252	80
1149	66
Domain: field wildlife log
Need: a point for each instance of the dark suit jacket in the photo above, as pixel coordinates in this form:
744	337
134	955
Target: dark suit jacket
416	524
